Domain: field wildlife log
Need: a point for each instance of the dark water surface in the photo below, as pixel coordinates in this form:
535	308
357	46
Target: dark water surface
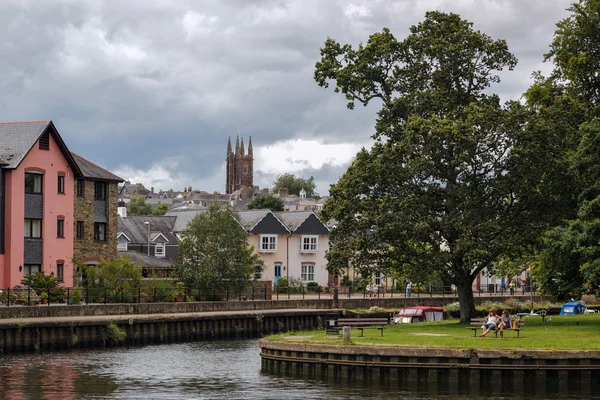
203	370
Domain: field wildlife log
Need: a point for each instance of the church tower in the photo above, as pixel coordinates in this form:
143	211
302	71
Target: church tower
239	166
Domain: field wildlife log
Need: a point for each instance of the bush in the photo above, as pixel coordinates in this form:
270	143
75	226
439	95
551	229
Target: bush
452	307
313	287
40	282
20	294
75	297
294	284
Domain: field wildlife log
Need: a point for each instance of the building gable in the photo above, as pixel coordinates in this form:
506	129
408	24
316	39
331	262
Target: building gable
312	225
270	224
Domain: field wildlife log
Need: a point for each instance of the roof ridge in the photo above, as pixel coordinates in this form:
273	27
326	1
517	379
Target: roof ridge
26	121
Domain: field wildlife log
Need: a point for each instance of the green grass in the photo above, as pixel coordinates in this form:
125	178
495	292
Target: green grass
573	332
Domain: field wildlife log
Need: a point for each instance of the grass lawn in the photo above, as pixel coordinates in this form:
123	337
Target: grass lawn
569	332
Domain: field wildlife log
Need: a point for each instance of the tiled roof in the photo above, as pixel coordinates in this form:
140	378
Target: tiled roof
91	170
148	262
293	219
17	138
182	218
249	218
137	231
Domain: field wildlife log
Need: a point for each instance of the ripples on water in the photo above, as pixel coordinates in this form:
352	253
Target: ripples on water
201	370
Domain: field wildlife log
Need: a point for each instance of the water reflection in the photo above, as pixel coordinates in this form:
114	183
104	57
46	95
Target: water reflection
202	370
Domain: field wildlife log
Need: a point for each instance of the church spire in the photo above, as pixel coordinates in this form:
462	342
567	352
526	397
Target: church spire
250	147
242	152
229	145
237	145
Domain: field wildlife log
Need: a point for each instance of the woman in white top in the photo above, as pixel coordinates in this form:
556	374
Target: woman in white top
491	324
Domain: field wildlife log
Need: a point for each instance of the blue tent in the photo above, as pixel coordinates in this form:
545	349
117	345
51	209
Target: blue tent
572	307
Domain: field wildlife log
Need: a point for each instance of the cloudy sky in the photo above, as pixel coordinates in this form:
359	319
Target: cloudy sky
152	89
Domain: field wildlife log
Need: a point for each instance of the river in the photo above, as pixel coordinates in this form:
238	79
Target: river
200	370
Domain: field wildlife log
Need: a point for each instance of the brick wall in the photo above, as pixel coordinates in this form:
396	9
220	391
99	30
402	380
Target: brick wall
87	249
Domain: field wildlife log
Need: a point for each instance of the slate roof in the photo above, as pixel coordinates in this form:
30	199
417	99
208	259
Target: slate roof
137	231
249	218
148	262
182	219
187	207
93	171
293	219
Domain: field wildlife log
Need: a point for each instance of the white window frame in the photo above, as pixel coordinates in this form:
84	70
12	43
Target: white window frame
258	273
378	276
309	243
267	243
161	253
307	272
122	246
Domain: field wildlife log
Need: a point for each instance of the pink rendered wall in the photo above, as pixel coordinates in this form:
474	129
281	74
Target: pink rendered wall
270	258
52	161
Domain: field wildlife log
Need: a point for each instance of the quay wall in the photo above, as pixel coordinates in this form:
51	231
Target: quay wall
519	371
63	310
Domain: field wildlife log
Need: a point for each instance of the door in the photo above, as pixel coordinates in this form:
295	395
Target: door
277	274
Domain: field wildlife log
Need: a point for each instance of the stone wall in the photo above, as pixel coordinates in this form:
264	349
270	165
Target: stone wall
87	249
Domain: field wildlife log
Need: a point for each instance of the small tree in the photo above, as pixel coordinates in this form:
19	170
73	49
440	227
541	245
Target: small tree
40	282
266	202
161	209
114	277
213	252
139	207
295	184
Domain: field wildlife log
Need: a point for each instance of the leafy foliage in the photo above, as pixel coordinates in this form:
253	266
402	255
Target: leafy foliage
40	282
161	209
440	190
266	202
295	184
213	252
138	206
116	278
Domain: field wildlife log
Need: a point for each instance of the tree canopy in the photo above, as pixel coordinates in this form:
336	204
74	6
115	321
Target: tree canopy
295	184
440	191
161	209
266	202
214	252
138	206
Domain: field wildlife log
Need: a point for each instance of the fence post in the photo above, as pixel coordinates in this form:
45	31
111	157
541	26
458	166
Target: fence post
8	297
227	294
303	292
430	290
49	297
252	293
28	296
289	292
319	291
87	295
265	288
154	296
68	296
105	294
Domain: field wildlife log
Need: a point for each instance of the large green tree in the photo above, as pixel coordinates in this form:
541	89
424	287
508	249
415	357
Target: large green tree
266	202
569	260
138	206
440	190
214	252
295	184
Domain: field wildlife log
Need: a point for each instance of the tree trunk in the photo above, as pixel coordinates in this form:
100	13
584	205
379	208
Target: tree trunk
335	301
466	300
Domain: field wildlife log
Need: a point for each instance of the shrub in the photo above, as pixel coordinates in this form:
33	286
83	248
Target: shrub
313	287
20	294
113	334
40	282
76	297
452	307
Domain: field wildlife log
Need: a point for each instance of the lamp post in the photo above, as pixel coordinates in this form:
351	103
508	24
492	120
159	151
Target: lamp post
148	225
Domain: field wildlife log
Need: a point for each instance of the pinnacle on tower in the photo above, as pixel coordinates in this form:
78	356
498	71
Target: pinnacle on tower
229	145
242	153
250	147
237	145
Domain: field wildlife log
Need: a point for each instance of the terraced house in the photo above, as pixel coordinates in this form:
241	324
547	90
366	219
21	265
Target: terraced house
37	202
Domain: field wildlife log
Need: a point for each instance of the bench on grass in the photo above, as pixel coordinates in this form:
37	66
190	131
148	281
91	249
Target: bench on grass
477	323
363	323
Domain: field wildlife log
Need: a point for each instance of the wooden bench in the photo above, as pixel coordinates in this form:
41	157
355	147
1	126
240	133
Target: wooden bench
477	323
362	323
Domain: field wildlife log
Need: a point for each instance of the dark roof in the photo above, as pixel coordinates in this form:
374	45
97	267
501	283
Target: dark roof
93	171
148	262
183	218
137	231
18	138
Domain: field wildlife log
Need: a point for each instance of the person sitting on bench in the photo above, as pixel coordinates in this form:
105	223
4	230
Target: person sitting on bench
504	322
492	323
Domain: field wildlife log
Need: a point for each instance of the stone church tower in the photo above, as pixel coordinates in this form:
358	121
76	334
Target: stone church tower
240	166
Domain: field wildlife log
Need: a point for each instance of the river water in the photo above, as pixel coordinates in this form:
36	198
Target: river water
200	370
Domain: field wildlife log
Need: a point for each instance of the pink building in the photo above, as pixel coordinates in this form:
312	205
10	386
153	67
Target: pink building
37	174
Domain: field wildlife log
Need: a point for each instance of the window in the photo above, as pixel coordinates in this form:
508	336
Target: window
245	169
80	187
100	193
378	278
79	229
60	267
61	184
307	272
31	268
33	183
33	228
268	243
60	228
310	243
258	272
159	250
100	231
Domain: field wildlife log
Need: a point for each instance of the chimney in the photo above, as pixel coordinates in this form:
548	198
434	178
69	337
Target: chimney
122	209
283	192
189	189
152	189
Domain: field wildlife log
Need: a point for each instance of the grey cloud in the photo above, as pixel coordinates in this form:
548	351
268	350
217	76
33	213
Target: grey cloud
126	83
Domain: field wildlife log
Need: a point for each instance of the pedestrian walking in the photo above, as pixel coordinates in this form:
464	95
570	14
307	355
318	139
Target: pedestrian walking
408	288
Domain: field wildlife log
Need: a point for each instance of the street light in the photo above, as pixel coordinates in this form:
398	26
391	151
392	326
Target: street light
148	225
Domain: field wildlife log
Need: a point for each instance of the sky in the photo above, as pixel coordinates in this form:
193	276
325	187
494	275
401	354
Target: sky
152	89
